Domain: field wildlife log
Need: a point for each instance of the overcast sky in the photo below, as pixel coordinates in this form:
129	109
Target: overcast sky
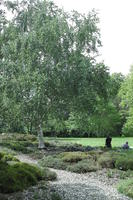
116	24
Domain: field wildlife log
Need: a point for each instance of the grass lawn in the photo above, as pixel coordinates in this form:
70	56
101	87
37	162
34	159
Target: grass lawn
116	141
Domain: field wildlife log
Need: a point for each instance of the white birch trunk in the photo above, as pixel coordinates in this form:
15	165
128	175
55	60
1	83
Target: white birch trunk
41	144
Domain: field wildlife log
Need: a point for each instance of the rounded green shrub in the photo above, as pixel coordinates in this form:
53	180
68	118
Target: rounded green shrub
106	161
30	168
74	156
48	175
7	157
17	177
124	163
83	167
53	162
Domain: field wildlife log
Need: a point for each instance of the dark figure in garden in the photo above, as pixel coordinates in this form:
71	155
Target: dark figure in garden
108	142
125	146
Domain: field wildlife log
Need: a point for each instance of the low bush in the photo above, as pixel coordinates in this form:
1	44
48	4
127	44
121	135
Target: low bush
53	162
82	162
124	163
7	157
30	168
18	137
17	177
48	175
74	156
83	167
106	160
95	154
18	146
50	144
126	174
126	187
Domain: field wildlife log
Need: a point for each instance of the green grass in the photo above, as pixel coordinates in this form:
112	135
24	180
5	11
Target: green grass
116	141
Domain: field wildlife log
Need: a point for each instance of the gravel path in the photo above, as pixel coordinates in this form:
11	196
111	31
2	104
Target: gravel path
72	186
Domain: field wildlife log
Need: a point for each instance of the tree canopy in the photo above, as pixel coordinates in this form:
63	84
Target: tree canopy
49	76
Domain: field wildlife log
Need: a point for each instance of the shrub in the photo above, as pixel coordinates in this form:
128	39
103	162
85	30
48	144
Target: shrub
3	165
124	163
30	168
18	137
126	187
125	174
83	167
18	146
18	177
7	157
48	175
50	144
106	161
74	156
95	154
53	162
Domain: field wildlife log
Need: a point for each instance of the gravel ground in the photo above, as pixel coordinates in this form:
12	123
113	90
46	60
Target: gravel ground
89	186
73	186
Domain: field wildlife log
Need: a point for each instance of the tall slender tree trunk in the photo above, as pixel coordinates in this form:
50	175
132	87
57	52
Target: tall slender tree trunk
41	144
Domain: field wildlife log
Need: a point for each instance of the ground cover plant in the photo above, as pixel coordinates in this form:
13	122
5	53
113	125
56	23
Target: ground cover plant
126	187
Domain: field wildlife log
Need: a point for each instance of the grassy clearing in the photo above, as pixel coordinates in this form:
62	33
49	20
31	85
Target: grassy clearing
116	141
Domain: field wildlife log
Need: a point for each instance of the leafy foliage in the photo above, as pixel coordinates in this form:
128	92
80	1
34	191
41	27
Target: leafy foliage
126	95
48	68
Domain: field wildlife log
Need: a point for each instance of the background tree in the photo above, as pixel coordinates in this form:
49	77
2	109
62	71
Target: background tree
126	95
